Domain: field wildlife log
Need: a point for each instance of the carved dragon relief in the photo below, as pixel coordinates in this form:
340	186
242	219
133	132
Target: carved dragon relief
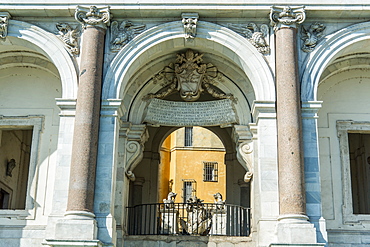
70	37
311	36
123	33
257	36
190	77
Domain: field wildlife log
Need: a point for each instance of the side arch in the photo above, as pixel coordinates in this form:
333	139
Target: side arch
210	37
331	47
49	45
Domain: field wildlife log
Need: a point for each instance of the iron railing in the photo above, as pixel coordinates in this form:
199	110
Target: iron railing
188	219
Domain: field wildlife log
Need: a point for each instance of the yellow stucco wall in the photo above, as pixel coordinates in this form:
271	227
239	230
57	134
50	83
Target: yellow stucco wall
187	163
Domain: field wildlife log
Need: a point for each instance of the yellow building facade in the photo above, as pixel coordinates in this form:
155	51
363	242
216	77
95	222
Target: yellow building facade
192	164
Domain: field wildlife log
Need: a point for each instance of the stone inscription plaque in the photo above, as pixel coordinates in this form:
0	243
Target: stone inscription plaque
208	113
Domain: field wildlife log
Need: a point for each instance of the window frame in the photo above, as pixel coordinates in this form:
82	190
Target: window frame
34	122
215	171
188	137
344	127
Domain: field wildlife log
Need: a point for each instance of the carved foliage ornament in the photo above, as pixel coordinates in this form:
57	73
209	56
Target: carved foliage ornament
190	77
311	36
190	20
4	20
70	37
93	16
122	33
286	16
257	36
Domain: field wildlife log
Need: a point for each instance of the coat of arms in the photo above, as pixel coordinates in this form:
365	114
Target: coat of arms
190	77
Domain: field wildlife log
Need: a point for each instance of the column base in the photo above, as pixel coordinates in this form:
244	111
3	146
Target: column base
77	228
295	230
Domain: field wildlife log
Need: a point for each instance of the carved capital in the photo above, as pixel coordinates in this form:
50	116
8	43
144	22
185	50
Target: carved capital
4	20
93	16
244	146
286	16
190	20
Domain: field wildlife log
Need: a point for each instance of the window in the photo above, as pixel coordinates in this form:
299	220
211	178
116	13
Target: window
189	189
359	155
354	143
19	141
210	171
188	140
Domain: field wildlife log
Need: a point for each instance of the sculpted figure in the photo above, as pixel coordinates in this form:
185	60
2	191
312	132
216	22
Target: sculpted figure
169	202
9	167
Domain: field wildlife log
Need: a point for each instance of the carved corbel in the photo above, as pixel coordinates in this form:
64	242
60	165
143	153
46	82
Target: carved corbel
136	136
190	20
244	149
4	21
70	37
286	16
93	16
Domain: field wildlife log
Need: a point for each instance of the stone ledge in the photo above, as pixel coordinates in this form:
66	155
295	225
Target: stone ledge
69	243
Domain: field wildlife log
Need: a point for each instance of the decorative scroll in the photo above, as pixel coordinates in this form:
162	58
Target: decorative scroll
244	149
174	113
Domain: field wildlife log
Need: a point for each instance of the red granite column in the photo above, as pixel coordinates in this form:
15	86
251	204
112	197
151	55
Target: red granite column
85	137
288	112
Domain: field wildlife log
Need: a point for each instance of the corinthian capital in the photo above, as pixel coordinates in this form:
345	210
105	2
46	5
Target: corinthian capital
93	16
286	16
4	19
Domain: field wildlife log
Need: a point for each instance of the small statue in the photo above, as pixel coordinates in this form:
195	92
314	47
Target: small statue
170	201
218	200
9	167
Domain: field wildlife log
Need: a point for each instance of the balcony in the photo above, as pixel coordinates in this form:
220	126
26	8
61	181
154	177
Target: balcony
200	219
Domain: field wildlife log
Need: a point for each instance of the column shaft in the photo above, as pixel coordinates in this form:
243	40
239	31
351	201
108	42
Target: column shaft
85	138
290	156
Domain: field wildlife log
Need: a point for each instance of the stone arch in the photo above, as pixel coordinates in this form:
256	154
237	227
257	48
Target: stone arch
49	45
210	37
331	47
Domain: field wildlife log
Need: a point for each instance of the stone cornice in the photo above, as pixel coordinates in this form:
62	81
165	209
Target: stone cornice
133	9
286	16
